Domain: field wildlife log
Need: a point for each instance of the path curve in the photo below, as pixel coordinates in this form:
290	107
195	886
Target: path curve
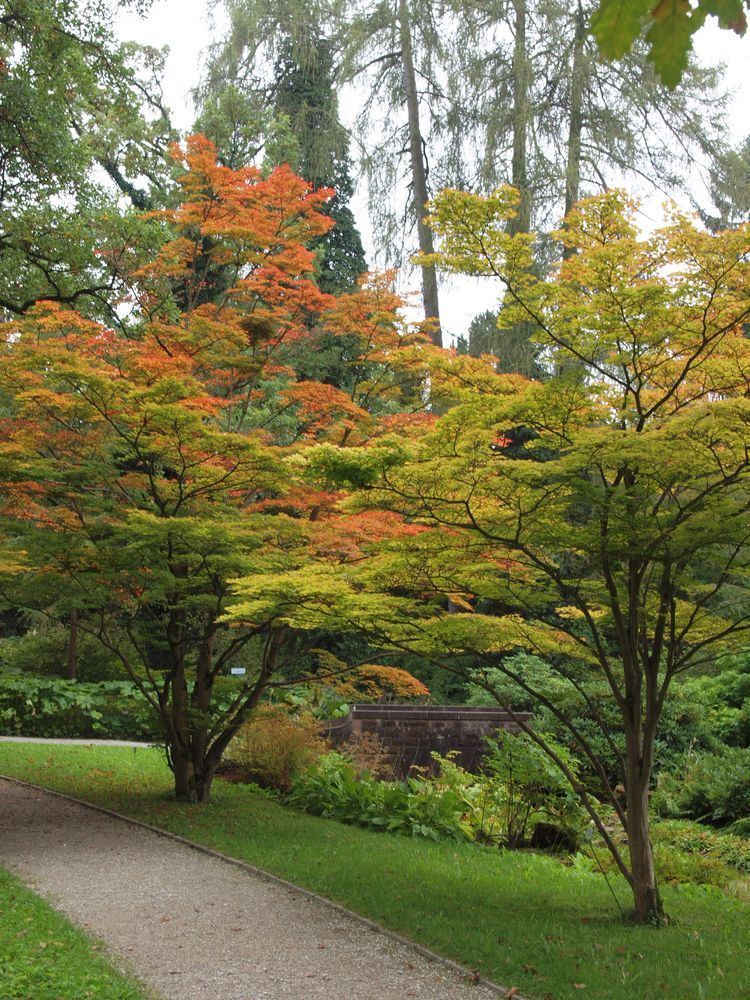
193	926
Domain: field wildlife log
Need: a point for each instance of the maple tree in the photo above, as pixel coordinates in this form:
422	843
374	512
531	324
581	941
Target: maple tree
599	519
373	682
140	474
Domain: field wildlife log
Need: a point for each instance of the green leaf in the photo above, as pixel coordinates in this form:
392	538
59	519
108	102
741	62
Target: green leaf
731	13
617	23
670	38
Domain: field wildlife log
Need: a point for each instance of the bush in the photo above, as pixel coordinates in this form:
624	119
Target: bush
369	756
43	651
516	792
724	699
690	838
713	788
45	706
421	808
320	700
534	789
274	746
682	867
686	726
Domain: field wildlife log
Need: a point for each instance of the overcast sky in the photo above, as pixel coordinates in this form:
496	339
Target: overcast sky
185	27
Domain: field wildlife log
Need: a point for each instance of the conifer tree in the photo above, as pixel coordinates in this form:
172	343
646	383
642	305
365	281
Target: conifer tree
269	90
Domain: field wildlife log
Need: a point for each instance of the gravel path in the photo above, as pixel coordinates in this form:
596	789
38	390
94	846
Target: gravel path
194	927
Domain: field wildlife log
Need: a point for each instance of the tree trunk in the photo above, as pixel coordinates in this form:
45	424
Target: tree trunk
192	779
71	666
419	175
575	124
648	905
521	114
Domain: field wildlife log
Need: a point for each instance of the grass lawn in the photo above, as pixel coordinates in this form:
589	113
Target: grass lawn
521	919
43	957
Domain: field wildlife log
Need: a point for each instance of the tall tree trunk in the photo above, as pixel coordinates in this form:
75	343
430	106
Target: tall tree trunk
419	174
71	665
521	115
575	124
180	750
639	765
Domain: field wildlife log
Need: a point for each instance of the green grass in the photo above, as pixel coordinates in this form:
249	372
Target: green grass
43	957
521	919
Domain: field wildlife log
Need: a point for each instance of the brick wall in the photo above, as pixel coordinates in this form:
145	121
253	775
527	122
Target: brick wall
412	732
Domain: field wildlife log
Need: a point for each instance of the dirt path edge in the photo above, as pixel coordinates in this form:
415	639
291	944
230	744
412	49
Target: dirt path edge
433	956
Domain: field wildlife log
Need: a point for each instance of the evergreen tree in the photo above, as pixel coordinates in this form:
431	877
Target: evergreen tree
269	90
516	353
730	189
306	96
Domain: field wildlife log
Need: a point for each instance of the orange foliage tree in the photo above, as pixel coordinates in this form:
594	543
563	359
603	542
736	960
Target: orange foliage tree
373	682
140	473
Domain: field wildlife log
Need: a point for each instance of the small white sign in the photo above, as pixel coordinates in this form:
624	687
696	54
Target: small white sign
237	671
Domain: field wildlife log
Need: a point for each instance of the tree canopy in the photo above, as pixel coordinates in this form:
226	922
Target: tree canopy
82	123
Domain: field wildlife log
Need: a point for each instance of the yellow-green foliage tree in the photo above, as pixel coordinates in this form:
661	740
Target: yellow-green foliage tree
600	518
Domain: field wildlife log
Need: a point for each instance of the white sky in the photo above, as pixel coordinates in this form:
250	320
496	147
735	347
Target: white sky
185	27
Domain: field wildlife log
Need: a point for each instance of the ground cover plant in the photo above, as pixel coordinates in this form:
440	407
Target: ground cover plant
518	791
52	707
524	920
45	957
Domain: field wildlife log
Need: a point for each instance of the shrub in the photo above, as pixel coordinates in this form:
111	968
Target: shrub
516	792
533	787
320	700
711	787
691	838
421	808
273	746
674	865
46	706
724	699
687	725
686	853
31	705
43	651
369	756
377	683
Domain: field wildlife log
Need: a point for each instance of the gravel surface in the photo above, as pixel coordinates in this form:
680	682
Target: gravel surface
194	927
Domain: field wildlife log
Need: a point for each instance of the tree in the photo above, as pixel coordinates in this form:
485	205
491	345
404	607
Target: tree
306	95
73	100
730	189
304	128
393	50
141	474
614	540
671	25
514	350
540	109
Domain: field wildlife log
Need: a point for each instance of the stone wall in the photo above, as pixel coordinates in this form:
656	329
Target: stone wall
411	733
